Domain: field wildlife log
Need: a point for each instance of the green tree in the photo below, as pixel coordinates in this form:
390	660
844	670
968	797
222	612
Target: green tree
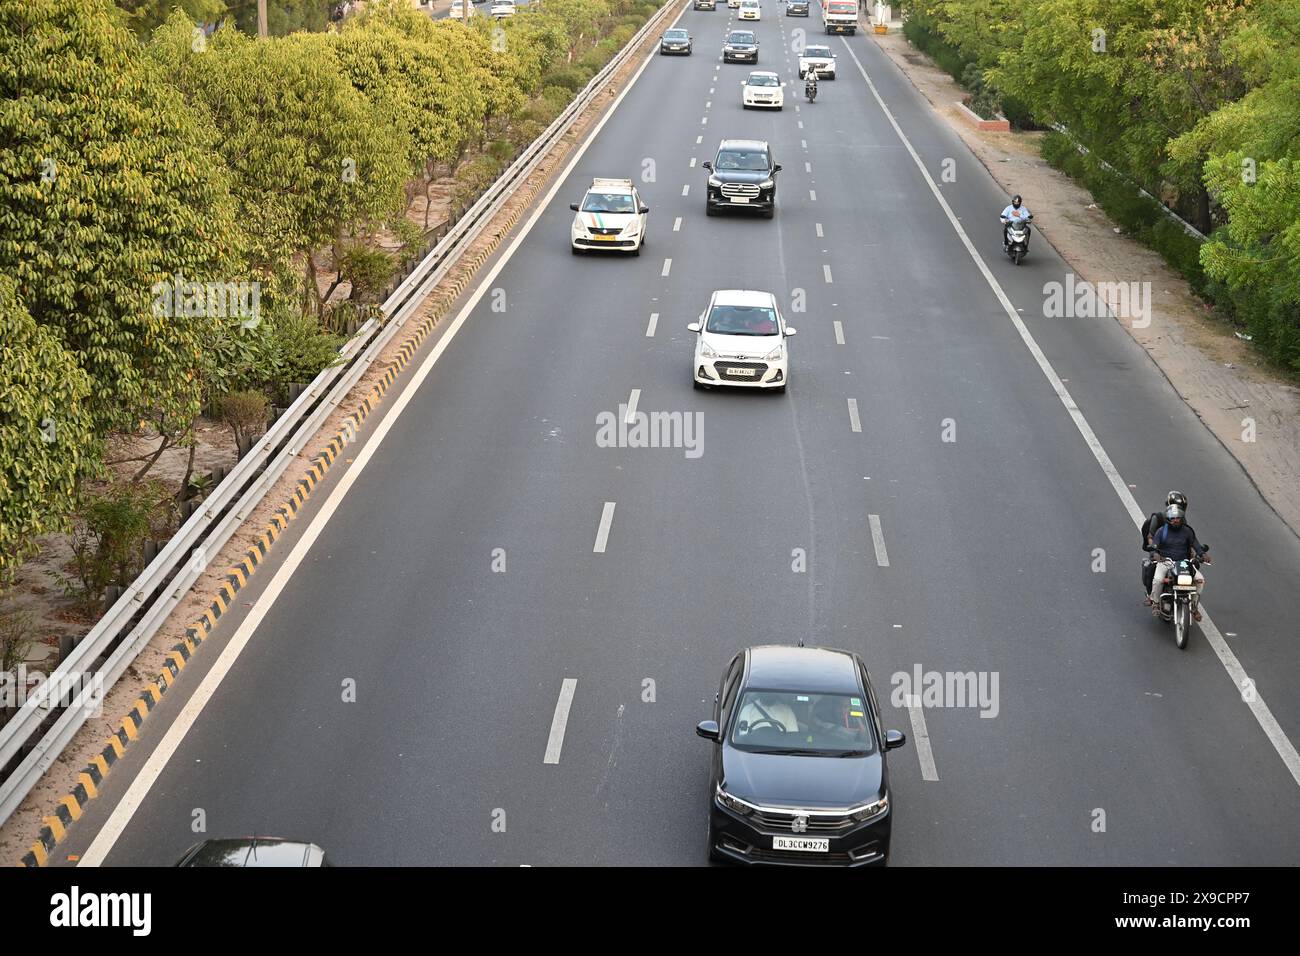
47	439
107	188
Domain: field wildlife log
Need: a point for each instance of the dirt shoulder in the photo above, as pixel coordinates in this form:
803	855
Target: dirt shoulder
1219	376
18	832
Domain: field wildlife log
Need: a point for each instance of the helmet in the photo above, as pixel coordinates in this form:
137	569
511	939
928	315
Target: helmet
1174	512
1176	498
1015	200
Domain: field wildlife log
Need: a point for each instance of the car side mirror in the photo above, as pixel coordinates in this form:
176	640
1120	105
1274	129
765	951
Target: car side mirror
894	739
790	331
707	164
708	729
693	327
644	209
573	206
776	168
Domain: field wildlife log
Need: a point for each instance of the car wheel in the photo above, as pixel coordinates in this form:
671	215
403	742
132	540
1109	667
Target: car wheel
695	382
780	390
744	106
637	250
575	250
708	209
714	855
769	213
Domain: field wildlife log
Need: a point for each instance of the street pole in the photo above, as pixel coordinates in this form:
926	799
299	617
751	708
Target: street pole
261	18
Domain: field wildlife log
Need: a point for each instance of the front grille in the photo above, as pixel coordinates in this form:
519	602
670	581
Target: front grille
721	366
740	189
782	820
794	856
597	231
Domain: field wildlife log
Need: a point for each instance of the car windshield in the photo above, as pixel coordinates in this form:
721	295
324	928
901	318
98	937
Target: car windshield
675	35
748	160
819	51
841	6
608	202
741	38
762	79
743	320
794	722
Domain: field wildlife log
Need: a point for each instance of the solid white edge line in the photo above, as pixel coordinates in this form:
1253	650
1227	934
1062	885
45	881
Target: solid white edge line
560	720
878	539
839	332
1263	715
632	400
854	422
921	738
602	531
654	322
126	808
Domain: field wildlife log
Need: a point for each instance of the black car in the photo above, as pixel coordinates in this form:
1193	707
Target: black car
253	851
799	770
796	8
742	176
675	41
741	46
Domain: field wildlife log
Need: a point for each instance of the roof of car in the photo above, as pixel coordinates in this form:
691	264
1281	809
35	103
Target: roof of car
743	144
254	851
742	297
761	73
611	185
816	669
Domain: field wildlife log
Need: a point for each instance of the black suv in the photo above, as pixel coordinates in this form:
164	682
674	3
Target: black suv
742	176
800	775
796	8
741	46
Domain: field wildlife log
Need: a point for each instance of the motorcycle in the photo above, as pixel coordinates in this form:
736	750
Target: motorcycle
1179	597
810	91
1015	238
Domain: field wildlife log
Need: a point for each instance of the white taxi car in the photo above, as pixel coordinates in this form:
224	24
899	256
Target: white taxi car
762	89
819	58
610	216
750	10
741	341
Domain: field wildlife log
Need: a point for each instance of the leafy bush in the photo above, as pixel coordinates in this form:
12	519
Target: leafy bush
298	349
571	78
246	413
108	538
16	636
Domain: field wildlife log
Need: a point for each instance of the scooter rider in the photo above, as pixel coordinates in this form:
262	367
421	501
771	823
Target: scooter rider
1016	212
1173	542
810	84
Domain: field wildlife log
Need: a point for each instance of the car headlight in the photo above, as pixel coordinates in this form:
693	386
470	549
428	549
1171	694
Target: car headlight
714	181
734	804
632	228
705	351
767	184
869	810
773	355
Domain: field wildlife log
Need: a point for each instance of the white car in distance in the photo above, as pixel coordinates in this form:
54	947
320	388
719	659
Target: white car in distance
461	10
741	341
750	10
762	89
502	8
610	216
819	58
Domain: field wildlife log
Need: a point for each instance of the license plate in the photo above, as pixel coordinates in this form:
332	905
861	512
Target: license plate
741	371
741	199
604	238
802	844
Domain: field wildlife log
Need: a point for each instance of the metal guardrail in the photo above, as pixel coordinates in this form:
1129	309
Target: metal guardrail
128	626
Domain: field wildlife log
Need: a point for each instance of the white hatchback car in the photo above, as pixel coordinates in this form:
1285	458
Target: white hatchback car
610	216
741	341
750	10
764	89
502	8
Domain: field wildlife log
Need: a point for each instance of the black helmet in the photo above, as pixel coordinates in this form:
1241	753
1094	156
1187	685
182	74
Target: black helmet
1015	200
1176	498
1174	512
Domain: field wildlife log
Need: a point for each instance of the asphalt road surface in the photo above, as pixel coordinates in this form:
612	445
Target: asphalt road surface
1108	744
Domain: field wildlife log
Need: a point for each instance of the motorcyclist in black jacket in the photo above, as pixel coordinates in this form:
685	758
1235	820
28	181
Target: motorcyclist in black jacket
1172	542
